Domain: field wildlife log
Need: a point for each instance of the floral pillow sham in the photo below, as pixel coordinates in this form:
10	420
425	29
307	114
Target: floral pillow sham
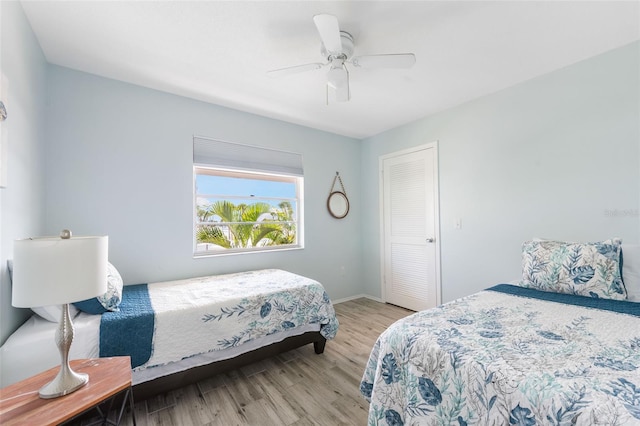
584	269
108	301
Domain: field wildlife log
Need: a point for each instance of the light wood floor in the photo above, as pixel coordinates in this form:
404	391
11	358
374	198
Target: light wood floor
294	388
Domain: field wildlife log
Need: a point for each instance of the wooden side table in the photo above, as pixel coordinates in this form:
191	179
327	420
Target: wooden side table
108	377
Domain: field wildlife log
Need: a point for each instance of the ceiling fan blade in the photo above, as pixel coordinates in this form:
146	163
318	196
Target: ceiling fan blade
329	31
393	60
281	72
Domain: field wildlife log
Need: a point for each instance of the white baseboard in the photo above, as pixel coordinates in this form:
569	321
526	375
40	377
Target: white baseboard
357	296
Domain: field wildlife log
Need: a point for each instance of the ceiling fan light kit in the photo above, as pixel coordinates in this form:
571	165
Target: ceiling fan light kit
338	47
338	76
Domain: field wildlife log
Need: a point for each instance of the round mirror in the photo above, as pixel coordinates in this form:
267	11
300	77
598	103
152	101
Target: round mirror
338	204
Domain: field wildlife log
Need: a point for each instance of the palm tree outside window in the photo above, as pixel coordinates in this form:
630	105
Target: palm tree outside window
238	211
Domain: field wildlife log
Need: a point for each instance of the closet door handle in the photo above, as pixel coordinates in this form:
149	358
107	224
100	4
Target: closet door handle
431	240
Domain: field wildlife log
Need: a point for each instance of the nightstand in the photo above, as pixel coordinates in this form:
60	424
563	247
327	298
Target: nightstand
108	377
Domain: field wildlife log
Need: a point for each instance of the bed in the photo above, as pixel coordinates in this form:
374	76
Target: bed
558	348
180	332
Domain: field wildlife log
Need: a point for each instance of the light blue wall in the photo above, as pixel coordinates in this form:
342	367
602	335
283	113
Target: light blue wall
553	157
22	207
119	162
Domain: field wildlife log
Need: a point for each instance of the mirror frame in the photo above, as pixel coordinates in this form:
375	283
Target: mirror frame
333	211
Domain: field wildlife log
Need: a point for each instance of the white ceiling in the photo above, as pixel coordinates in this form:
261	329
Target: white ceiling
219	51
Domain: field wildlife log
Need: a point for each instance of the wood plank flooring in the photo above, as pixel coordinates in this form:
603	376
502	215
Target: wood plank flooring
294	388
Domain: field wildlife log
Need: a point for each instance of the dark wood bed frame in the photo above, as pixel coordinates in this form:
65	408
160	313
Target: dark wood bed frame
177	380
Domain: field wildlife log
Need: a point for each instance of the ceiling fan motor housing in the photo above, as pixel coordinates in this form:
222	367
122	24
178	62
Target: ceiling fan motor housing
347	47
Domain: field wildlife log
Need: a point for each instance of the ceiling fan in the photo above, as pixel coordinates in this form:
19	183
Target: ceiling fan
337	48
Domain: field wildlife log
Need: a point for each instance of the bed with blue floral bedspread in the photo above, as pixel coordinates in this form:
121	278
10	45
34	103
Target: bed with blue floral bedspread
509	356
168	322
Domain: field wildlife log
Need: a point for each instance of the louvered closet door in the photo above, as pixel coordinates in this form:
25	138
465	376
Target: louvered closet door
409	221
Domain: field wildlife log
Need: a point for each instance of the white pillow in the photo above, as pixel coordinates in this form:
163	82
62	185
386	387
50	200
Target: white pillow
54	312
631	270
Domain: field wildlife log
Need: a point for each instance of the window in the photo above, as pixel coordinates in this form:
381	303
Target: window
245	198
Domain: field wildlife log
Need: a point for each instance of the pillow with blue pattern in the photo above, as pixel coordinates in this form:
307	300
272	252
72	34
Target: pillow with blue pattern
110	300
631	271
584	269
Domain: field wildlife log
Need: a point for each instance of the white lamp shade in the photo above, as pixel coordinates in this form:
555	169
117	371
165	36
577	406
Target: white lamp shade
54	271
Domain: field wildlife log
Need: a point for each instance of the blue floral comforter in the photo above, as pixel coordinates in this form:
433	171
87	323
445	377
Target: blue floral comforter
506	357
204	314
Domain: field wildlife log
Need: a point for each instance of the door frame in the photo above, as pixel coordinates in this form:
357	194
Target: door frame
436	207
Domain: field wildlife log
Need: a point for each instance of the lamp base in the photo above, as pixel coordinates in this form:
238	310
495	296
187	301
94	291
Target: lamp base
66	381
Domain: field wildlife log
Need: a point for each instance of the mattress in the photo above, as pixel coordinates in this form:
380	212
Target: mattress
31	349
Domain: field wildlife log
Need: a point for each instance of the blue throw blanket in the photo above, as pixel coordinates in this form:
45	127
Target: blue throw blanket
129	331
620	306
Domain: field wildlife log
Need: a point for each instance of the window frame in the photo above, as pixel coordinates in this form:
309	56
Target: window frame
200	169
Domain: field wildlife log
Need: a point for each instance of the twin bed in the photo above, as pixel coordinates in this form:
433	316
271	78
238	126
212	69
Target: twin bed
180	332
561	347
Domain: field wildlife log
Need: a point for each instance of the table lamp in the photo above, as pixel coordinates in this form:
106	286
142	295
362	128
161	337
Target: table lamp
59	271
